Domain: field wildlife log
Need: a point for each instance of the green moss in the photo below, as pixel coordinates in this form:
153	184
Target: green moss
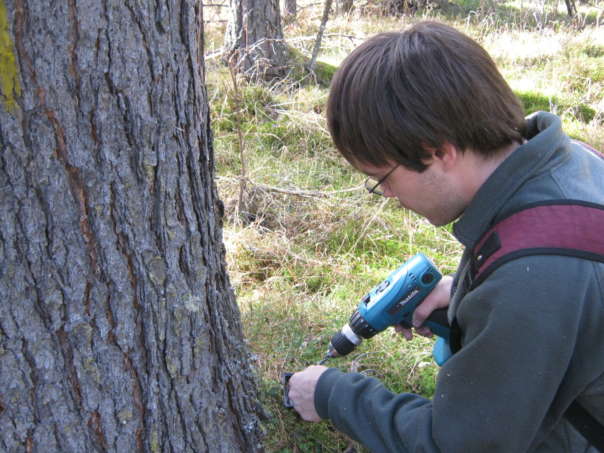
256	100
592	70
155	448
286	132
593	51
534	102
427	380
10	86
249	104
323	72
584	113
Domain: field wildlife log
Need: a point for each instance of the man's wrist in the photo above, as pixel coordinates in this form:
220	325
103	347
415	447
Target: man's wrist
323	390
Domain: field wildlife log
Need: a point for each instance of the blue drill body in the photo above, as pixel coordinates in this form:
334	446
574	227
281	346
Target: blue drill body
392	302
395	299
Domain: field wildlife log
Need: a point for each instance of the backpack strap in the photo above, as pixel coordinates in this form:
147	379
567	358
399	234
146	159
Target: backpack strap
557	227
552	227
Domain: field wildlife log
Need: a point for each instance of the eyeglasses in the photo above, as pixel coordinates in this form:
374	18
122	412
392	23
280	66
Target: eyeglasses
373	185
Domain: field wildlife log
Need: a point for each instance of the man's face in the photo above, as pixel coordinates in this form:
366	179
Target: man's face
433	194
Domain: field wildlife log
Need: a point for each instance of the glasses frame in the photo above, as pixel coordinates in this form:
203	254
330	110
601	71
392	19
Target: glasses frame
374	188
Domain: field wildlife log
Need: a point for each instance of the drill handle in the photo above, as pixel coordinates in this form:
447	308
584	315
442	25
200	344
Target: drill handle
438	322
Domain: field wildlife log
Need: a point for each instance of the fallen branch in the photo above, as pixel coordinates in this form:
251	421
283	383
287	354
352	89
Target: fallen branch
220	52
294	192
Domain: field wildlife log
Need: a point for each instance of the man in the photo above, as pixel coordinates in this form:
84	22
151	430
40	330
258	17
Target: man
427	114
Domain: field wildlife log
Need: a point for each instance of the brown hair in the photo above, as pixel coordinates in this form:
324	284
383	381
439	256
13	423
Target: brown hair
399	93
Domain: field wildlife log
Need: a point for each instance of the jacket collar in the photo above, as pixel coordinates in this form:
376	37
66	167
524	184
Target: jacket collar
545	138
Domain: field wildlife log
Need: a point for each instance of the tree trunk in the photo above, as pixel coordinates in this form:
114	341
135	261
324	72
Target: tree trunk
254	39
317	46
118	326
344	6
571	8
290	10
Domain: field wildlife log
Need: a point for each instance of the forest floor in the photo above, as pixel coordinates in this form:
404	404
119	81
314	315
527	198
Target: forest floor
305	241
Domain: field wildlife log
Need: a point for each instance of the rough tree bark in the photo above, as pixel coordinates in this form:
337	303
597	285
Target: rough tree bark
118	326
254	42
290	10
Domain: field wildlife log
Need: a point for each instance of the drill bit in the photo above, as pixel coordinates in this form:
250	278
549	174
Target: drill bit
324	359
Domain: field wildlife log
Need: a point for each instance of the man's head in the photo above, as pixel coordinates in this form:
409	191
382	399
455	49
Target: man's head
399	97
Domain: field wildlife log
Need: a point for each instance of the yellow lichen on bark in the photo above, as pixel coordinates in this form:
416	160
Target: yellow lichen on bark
10	87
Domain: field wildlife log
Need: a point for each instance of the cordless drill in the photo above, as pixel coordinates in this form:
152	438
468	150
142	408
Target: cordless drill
392	302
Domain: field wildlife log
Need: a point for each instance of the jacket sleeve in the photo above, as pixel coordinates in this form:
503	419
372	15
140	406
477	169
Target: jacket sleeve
520	329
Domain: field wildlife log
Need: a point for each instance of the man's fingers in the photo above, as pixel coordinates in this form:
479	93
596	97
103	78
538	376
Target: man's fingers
422	312
406	333
424	331
438	298
302	386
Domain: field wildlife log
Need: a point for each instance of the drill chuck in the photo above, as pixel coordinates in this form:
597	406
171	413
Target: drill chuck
343	342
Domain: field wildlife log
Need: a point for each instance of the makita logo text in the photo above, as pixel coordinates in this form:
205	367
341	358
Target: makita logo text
400	304
409	297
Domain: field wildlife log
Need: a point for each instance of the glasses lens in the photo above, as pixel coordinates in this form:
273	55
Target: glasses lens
373	186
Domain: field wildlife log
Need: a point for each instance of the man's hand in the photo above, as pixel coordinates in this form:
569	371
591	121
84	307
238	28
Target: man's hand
438	298
302	391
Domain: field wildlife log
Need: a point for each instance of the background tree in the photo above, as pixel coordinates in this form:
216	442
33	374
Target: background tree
344	6
254	42
290	10
317	46
118	326
571	7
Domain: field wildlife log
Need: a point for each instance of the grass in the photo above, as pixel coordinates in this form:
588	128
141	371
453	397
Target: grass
304	242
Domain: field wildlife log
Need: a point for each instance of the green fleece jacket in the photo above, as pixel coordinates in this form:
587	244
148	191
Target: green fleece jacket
533	331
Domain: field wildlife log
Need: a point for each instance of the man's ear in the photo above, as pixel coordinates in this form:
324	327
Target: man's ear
447	154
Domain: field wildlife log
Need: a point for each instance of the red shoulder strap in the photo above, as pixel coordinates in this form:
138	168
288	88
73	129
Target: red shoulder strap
554	227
